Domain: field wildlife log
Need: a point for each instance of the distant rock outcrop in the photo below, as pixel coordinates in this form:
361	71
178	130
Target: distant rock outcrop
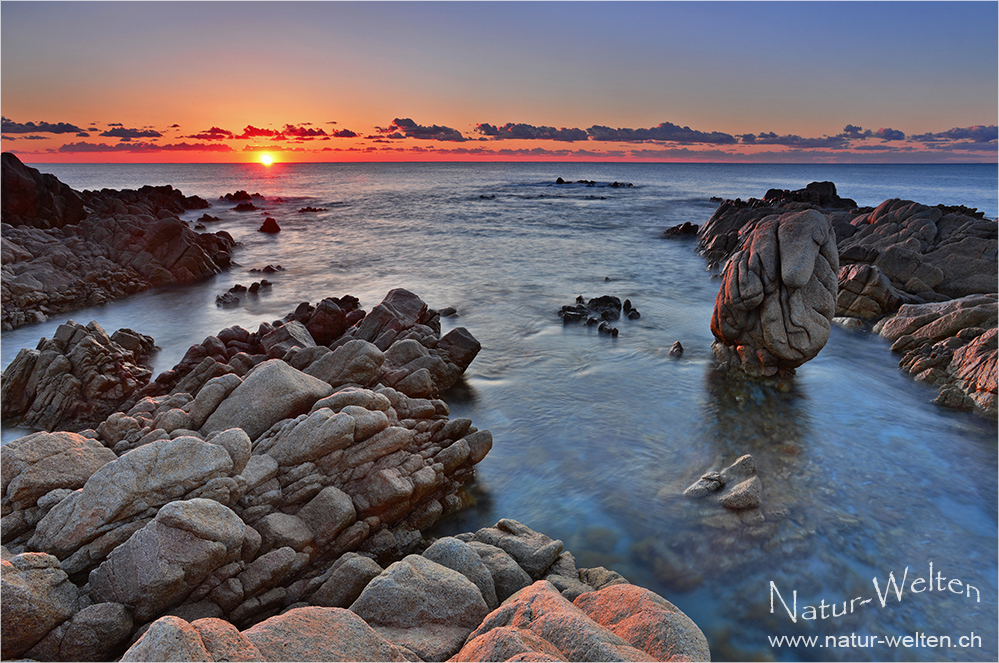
64	250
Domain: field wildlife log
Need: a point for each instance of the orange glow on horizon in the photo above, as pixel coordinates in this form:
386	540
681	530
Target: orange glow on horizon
266	159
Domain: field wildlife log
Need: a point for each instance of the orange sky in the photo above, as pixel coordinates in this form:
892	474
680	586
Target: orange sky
343	81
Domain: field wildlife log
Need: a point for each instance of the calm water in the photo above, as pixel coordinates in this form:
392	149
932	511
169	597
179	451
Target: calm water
596	438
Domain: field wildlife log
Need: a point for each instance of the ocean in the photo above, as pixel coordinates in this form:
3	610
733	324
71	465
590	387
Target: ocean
595	438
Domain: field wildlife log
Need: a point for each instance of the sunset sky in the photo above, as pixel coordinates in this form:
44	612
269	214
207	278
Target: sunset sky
405	81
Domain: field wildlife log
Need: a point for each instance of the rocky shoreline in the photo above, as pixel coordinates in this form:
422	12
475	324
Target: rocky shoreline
64	250
271	489
922	277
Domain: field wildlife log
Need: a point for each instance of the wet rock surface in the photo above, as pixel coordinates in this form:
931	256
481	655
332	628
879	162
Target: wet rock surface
64	250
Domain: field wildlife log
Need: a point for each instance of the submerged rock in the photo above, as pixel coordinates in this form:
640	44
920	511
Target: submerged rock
269	226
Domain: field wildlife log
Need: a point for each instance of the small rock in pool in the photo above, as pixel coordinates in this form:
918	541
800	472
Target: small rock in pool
676	350
448	312
605	328
269	226
633	314
238	288
245	207
226	300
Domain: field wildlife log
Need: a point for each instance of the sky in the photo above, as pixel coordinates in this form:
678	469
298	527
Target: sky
857	82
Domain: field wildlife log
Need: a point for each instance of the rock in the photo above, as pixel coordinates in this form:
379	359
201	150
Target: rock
37	200
289	335
76	379
647	621
541	610
327	514
168	639
676	351
224	642
508	643
347	578
533	551
423	606
743	495
459	556
226	300
951	345
866	293
778	296
320	634
90	248
147	477
685	229
269	393
928	251
96	633
161	563
42	462
269	225
508	577
37	597
356	362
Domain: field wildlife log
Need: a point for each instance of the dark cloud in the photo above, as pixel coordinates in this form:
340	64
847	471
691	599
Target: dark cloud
35	138
665	132
392	136
253	132
977	134
215	133
115	124
129	134
302	133
411	129
83	134
344	133
174	126
144	147
791	140
10	127
531	132
889	134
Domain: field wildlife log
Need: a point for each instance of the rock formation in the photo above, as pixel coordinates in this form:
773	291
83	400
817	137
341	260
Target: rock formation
778	295
64	250
76	379
900	259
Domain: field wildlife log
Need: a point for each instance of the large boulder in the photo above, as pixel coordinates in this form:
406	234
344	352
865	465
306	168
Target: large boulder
543	611
161	563
320	634
423	606
169	638
646	620
270	392
778	295
124	494
37	597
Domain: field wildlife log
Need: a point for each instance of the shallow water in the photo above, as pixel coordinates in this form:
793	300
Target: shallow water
596	438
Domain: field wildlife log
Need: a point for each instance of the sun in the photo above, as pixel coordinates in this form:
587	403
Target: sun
266	159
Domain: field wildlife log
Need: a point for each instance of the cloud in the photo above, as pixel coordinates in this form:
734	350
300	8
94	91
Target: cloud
665	132
215	133
144	148
301	132
530	132
115	124
11	127
344	133
411	129
129	134
853	131
889	134
977	133
253	132
174	126
791	140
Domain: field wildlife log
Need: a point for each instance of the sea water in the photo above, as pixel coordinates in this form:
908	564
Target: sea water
595	438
